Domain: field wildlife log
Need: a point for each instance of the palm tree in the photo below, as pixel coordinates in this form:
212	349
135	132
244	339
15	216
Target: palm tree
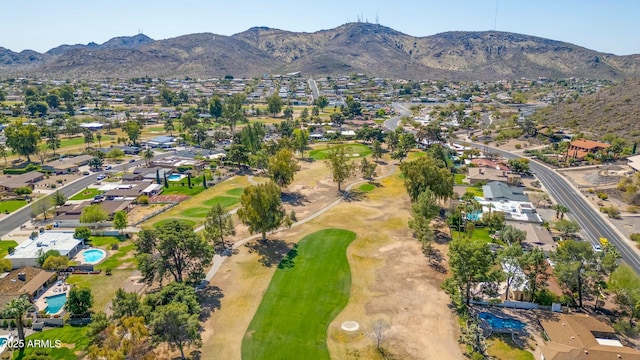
16	309
99	137
560	210
148	156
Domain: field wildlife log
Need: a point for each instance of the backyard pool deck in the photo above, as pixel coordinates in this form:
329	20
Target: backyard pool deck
55	289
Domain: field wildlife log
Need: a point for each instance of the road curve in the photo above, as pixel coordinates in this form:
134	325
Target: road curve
590	220
392	123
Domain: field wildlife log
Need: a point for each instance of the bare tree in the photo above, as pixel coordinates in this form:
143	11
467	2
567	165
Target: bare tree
379	334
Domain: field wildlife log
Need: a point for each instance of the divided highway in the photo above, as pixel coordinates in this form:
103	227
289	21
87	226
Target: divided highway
589	219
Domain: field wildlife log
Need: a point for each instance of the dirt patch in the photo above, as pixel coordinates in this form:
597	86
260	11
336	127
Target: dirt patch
391	279
138	213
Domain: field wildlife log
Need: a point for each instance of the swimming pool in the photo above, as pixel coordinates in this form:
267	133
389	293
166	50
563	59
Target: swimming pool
498	323
55	303
175	177
93	256
474	216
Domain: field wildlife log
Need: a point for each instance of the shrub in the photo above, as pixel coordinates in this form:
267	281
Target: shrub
12	324
635	237
611	211
59	181
11	249
82	232
25	190
624	327
114	246
143	200
591	191
518	146
53	186
108	272
5	324
603	196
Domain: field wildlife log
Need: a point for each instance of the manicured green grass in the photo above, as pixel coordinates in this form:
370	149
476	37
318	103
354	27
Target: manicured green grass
366	187
198	212
11	205
155	129
302	299
503	348
182	190
458	179
104	240
476	191
79	140
351	149
225	201
478	233
236	191
5	245
118	259
71	335
162	222
85	194
103	287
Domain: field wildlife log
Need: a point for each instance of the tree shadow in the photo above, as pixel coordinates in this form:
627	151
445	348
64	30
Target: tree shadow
195	355
271	251
289	261
353	195
209	298
435	259
294	198
441	237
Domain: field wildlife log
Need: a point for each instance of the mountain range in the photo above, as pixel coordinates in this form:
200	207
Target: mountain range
372	49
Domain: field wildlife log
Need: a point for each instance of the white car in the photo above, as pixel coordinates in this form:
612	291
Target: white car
597	248
101	177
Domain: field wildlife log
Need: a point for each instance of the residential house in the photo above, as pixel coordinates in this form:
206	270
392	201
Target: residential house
578	149
67	165
10	183
130	191
28	281
580	337
634	162
162	142
27	253
498	191
178	162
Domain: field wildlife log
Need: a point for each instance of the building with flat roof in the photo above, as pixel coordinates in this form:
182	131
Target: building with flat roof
26	254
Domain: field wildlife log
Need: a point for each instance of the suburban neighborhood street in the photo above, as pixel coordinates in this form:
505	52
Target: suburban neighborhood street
23	215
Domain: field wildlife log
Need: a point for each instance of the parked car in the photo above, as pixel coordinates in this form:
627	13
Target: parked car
108	167
597	248
132	160
101	177
85	172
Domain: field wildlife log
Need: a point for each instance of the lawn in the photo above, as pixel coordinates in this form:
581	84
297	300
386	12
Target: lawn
476	191
5	245
302	299
366	187
116	261
478	233
225	201
71	335
103	287
182	190
11	205
503	348
353	150
104	240
236	191
458	179
198	212
88	193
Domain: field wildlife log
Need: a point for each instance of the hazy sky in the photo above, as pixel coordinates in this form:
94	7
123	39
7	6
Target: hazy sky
604	25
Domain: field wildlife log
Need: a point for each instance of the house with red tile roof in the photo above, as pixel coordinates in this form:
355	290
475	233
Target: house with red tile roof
578	149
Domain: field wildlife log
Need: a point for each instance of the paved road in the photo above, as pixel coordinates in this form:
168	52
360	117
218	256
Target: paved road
590	220
392	123
314	89
17	218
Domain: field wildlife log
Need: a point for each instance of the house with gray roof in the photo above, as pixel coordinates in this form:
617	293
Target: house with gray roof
497	191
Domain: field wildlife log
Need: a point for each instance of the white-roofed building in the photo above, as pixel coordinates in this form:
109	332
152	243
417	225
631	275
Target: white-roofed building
26	254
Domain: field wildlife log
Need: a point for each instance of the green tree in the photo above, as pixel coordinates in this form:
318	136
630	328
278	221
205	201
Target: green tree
322	102
53	140
56	263
560	210
93	214
300	140
625	284
16	309
567	227
59	198
512	235
577	268
233	112
41	207
217	225
274	104
340	165
79	301
511	261
282	167
125	304
169	126
133	130
128	338
115	154
173	249
470	261
424	210
120	221
147	155
288	113
23	139
520	166
3	152
215	107
82	232
376	150
427	173
174	325
88	137
95	163
261	208
534	265
368	169
237	153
